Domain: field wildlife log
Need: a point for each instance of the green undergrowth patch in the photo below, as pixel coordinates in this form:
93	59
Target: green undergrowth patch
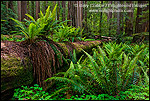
112	72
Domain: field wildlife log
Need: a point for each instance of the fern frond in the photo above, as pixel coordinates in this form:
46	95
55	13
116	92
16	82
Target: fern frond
94	67
62	79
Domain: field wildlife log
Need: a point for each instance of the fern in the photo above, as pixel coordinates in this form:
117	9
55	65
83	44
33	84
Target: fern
111	68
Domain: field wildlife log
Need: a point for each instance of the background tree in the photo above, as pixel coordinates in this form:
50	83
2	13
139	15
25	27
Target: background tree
100	23
32	8
64	9
37	9
23	10
118	20
109	17
19	10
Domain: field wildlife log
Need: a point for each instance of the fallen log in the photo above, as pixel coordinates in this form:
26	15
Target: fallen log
15	72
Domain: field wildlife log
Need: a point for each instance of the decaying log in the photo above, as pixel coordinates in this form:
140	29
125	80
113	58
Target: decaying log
15	72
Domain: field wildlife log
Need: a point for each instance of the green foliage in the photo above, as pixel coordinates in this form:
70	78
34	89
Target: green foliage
6	24
36	93
144	15
29	33
32	93
113	72
93	97
89	39
112	68
11	38
135	93
67	33
44	26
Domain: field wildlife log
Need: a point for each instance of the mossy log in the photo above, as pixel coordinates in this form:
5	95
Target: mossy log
15	74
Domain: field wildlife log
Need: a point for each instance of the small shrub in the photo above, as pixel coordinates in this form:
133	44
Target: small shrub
32	93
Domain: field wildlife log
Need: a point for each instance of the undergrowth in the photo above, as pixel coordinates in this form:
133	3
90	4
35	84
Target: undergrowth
112	72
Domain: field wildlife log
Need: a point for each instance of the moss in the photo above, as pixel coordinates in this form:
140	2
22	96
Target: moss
63	46
15	74
78	47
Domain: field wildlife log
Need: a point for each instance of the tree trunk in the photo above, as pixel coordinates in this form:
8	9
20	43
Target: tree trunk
32	9
80	9
118	21
74	14
129	21
146	24
15	72
23	10
138	27
79	14
37	9
100	24
19	10
28	9
122	17
108	19
85	17
69	13
64	8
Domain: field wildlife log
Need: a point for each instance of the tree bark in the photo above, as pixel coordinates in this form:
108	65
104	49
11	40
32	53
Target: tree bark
85	17
37	9
74	14
23	10
69	13
138	27
19	10
108	19
122	17
100	24
64	8
118	21
129	21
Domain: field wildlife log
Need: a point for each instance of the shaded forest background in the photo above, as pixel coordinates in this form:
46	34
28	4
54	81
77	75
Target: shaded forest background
115	24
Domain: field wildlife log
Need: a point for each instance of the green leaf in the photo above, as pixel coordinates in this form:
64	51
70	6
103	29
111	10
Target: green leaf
31	18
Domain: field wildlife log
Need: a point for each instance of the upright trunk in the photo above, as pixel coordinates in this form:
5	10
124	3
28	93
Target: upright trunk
28	9
85	17
64	8
138	27
122	17
19	10
118	20
100	24
108	19
146	24
129	20
37	9
77	19
74	13
32	9
79	14
69	13
23	10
